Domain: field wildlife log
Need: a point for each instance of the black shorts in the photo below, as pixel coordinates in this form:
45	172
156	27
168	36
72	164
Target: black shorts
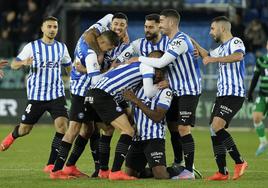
142	152
104	104
77	110
90	112
35	109
182	109
226	107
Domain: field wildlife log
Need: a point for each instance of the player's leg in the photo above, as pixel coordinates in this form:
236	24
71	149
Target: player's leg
111	113
94	148
259	110
187	107
80	112
33	111
60	150
218	149
135	159
172	118
156	157
228	107
104	149
122	146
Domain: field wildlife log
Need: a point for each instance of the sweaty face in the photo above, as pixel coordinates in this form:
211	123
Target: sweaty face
165	25
104	44
50	29
151	29
215	32
119	26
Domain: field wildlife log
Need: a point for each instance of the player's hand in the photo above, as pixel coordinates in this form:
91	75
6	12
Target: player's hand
132	60
163	84
79	67
196	53
207	60
126	38
3	63
1	74
28	61
250	98
129	95
115	63
100	58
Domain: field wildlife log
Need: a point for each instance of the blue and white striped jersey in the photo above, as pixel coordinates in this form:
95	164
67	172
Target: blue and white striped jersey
112	55
80	82
44	81
143	47
184	72
146	128
124	77
231	75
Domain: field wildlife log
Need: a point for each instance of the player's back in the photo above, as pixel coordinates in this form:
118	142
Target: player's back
126	76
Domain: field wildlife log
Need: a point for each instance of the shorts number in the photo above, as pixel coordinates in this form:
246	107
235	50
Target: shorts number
28	108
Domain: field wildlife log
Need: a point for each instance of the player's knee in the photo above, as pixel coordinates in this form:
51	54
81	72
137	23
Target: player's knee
257	118
218	124
129	131
108	131
74	129
61	124
131	172
86	130
184	130
160	173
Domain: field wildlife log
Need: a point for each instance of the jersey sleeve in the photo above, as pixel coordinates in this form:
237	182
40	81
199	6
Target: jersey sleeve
177	47
215	52
165	99
147	71
25	53
66	61
92	65
103	24
237	45
127	53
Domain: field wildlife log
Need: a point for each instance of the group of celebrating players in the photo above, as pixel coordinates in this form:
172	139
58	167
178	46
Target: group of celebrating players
140	88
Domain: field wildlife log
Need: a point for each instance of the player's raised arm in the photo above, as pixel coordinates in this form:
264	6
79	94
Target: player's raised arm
94	32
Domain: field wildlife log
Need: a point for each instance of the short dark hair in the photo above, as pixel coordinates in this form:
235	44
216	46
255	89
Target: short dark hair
221	18
154	17
50	18
171	13
156	53
112	37
120	15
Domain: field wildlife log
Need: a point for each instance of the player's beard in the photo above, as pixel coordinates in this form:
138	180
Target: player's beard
51	36
151	36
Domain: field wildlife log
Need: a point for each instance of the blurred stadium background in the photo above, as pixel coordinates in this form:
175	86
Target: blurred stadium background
20	23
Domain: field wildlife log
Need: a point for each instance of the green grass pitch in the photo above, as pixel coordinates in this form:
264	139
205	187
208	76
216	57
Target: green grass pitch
22	164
